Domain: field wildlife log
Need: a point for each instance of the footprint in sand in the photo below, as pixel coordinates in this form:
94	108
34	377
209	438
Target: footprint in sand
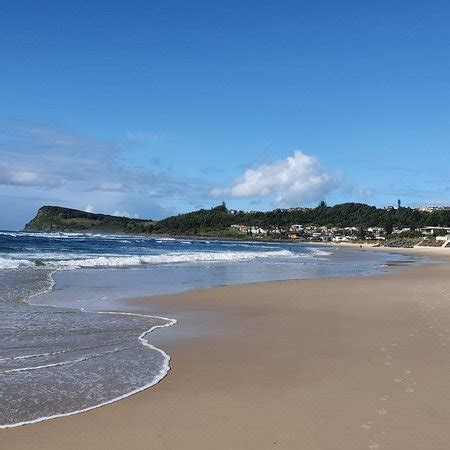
382	412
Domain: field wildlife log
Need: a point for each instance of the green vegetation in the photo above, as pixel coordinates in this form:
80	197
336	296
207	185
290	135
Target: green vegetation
361	233
55	218
343	215
217	221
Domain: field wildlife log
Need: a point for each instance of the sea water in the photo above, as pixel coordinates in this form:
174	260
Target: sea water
67	345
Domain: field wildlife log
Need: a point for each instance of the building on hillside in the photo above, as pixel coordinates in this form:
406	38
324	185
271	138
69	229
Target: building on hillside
343	238
258	231
431	231
430	208
376	233
250	229
241	228
400	230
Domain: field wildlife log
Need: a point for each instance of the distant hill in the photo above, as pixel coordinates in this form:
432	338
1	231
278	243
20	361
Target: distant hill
56	218
216	221
343	215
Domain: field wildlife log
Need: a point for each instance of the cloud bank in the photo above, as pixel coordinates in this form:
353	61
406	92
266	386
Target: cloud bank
291	181
41	165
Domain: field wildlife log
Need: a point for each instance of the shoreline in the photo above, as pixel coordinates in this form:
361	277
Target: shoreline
240	239
145	342
210	320
434	252
142	338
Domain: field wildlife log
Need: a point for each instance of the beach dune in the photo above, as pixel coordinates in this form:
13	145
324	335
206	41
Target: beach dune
316	364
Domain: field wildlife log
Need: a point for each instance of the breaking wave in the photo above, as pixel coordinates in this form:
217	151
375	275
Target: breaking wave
56	261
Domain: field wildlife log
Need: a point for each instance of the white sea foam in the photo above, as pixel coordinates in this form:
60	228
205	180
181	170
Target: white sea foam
10	263
156	379
319	252
76	236
55	234
63	363
61	261
171	258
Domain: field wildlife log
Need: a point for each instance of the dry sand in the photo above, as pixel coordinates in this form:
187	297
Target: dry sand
319	364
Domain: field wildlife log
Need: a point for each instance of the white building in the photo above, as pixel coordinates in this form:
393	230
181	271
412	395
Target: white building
430	231
429	208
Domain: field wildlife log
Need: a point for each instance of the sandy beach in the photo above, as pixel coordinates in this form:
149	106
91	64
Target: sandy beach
313	364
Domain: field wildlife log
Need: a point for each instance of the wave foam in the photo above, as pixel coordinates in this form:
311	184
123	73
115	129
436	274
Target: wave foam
168	258
318	252
164	370
137	260
10	263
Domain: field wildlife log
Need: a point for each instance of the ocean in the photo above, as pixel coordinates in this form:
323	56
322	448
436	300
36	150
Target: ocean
68	343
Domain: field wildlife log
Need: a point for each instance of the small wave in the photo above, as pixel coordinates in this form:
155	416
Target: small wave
64	363
142	338
169	258
10	263
60	235
55	234
318	252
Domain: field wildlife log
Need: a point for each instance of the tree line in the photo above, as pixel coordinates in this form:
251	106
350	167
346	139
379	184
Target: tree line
342	215
217	220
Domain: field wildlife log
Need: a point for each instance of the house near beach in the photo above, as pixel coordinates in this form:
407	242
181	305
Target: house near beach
431	231
442	234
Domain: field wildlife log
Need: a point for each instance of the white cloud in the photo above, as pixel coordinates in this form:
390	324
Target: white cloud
41	165
23	176
89	208
76	171
295	179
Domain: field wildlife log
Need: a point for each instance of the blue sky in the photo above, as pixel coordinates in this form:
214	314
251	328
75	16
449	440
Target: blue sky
152	108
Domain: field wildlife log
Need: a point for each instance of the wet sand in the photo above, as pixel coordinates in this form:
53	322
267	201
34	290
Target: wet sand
316	364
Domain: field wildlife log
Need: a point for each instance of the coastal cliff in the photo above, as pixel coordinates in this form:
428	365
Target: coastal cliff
56	218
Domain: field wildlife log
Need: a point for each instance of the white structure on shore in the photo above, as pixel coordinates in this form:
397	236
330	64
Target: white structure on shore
431	231
442	234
